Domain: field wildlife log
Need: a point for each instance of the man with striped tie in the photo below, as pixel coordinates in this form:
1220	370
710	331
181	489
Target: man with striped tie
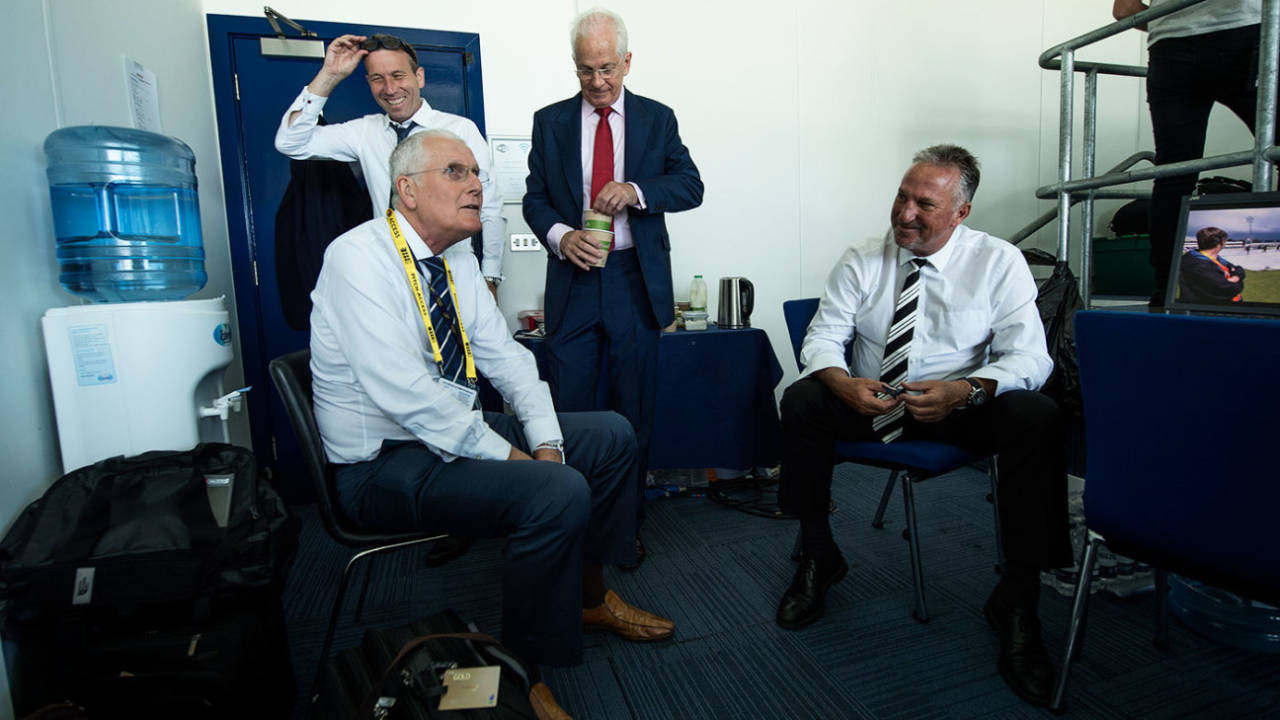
399	335
947	345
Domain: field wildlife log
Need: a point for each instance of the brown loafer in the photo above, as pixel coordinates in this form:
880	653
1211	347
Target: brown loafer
544	703
627	622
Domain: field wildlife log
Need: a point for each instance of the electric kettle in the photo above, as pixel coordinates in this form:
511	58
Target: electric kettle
737	299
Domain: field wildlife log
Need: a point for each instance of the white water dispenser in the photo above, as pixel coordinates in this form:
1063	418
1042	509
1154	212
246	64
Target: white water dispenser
137	376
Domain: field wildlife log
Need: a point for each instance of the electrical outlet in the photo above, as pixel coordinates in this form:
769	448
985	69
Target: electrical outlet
524	242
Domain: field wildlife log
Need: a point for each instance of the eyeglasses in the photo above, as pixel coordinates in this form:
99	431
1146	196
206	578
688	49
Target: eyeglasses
456	172
388	42
608	72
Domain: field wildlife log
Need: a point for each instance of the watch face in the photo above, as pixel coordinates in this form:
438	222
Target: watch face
977	394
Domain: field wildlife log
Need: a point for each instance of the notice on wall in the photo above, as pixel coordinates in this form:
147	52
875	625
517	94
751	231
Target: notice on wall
510	166
144	99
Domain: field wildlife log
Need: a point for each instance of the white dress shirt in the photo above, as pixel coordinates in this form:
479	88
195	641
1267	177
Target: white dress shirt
373	373
976	316
370	140
617	126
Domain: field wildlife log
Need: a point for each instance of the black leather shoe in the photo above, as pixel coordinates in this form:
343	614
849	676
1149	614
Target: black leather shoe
804	601
446	550
640	556
1024	664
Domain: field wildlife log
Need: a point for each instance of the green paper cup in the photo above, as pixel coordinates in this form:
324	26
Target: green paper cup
599	226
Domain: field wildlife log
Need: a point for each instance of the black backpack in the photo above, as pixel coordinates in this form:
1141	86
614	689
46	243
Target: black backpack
135	531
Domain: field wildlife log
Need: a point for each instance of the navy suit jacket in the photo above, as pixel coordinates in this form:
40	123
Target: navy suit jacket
656	160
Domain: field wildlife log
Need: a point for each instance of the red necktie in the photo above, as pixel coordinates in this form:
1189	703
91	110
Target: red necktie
602	159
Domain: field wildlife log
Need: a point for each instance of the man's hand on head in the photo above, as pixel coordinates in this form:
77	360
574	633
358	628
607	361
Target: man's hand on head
579	248
932	400
857	393
615	197
341	59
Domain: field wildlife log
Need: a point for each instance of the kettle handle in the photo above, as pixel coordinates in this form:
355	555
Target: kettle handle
748	297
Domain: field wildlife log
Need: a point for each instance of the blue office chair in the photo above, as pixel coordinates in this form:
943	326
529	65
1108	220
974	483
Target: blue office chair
1180	473
913	460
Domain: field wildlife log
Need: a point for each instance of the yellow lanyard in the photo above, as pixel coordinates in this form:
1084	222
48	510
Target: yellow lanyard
411	274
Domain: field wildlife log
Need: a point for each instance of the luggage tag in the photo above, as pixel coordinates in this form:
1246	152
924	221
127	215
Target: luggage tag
473	687
464	393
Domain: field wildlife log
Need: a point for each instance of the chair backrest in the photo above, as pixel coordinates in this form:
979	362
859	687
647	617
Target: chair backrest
798	313
1180	471
291	374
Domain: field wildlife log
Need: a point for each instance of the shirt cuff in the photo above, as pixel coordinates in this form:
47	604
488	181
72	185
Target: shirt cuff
309	103
542	430
640	203
554	235
822	362
491	446
1005	381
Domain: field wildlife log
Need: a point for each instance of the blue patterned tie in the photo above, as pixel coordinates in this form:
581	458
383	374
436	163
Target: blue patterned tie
897	346
443	319
402	131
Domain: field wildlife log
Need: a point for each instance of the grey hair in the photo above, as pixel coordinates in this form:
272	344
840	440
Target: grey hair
954	156
412	155
593	20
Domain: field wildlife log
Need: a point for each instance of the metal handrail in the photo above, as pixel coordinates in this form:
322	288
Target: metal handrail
1049	216
1061	57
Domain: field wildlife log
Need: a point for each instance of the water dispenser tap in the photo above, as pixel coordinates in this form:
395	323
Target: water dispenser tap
223	406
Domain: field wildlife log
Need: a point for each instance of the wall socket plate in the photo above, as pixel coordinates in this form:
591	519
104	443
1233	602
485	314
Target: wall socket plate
524	242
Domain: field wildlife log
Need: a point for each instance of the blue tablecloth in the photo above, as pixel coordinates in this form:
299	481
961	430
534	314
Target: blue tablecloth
715	404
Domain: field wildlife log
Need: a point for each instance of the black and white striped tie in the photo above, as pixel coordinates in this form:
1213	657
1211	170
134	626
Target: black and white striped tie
897	346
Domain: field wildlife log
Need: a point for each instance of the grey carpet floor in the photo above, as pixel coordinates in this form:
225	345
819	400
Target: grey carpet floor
719	573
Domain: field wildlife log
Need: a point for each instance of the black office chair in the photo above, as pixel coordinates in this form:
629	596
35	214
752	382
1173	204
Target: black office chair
1187	482
291	374
912	460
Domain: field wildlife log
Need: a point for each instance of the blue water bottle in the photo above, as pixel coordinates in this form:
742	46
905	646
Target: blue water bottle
125	214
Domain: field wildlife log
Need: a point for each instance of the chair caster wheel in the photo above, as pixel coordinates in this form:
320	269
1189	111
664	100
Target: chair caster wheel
915	614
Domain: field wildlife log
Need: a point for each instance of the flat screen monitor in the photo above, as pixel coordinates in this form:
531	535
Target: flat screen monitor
1229	259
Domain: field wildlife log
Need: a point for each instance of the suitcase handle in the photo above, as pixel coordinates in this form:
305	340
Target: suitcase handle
389	684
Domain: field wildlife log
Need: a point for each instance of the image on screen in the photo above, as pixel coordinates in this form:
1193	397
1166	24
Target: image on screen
1230	255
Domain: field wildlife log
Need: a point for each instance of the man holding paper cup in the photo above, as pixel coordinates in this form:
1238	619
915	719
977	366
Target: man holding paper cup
605	166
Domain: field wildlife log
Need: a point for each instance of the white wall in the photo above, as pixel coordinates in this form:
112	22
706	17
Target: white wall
66	67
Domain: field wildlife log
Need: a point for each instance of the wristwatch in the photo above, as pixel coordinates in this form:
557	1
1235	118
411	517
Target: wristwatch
495	279
977	393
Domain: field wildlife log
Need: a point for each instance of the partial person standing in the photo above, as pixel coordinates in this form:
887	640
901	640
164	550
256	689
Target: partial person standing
947	346
1203	54
395	81
620	154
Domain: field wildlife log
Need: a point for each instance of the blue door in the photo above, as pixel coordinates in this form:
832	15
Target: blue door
251	92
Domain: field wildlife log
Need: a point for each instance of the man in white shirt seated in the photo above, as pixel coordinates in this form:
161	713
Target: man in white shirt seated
398	335
947	346
395	79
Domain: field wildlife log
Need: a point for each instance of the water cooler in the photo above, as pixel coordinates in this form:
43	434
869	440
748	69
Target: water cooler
139	368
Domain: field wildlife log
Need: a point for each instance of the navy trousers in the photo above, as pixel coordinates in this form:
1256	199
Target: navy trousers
1025	428
556	517
609	323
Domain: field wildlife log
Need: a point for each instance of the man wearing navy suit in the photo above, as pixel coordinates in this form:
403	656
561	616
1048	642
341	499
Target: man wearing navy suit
619	154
